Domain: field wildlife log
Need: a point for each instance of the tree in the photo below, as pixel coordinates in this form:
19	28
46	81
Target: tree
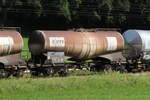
4	7
120	12
75	13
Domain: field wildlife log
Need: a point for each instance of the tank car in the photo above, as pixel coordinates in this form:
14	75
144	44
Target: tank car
11	44
137	49
49	48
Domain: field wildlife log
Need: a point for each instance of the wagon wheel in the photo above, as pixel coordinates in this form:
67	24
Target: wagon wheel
3	73
122	69
108	68
63	72
48	72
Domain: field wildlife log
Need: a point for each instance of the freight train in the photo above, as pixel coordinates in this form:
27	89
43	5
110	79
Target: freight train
58	51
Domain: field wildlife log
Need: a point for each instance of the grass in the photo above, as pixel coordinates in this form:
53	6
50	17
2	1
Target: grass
112	86
25	43
82	73
25	54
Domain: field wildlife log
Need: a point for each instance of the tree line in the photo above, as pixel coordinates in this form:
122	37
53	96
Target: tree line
64	14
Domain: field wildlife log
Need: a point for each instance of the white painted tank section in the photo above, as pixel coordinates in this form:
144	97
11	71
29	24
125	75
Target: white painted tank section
112	43
139	41
6	44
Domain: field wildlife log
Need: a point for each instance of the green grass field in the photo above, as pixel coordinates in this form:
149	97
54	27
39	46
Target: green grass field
112	86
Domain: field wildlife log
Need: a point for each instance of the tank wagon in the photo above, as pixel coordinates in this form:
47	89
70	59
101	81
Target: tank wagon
50	48
11	44
137	49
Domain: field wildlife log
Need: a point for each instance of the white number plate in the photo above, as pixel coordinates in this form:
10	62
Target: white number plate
57	41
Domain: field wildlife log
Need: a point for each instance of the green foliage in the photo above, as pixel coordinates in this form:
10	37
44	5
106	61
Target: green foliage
107	4
83	12
64	7
77	3
122	5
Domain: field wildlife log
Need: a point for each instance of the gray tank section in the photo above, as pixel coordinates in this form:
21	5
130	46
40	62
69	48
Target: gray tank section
137	43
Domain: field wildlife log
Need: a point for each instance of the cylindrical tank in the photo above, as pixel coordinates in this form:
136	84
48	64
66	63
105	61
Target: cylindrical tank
137	43
11	42
80	45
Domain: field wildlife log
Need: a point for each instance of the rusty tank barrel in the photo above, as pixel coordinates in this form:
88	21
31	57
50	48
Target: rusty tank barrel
80	45
11	42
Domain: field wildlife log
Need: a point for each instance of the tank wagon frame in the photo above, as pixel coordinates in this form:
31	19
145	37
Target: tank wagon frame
48	64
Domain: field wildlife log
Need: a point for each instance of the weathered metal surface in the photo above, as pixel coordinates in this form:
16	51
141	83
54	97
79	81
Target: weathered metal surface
11	42
116	56
13	59
56	57
137	43
80	45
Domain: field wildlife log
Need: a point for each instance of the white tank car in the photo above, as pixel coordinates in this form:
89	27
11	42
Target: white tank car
137	43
